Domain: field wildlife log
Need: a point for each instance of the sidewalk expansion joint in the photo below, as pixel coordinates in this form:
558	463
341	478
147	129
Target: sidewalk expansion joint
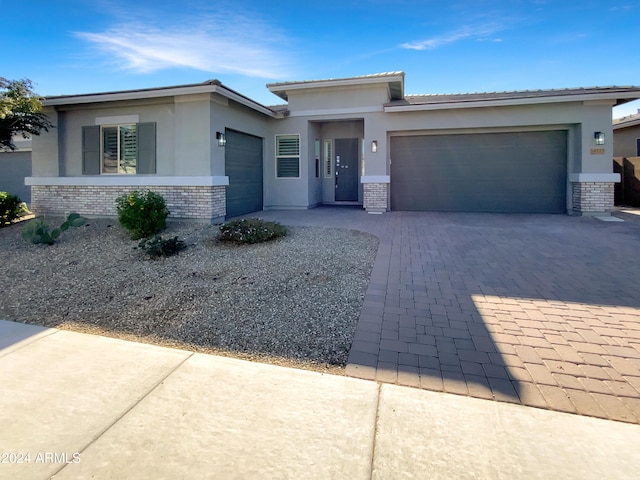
375	432
121	416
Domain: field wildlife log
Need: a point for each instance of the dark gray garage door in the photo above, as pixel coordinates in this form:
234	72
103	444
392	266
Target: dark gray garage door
243	166
493	172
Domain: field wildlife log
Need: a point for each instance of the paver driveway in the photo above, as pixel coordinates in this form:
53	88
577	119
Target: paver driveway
542	310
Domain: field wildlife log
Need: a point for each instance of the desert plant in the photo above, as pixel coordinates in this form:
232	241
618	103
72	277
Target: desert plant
251	230
11	208
157	246
37	231
142	213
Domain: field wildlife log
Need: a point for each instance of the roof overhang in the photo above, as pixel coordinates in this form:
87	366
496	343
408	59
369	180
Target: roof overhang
394	81
212	86
615	95
621	123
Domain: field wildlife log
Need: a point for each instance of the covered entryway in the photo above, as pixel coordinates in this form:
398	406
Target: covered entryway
243	166
488	172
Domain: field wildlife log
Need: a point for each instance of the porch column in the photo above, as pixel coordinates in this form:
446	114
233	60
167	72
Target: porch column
375	193
592	192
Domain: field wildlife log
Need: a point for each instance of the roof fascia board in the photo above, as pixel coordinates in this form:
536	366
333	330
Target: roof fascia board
627	124
241	99
132	95
169	92
512	102
344	82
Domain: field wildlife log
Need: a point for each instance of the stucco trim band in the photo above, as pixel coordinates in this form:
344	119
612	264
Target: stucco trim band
375	179
594	177
129	181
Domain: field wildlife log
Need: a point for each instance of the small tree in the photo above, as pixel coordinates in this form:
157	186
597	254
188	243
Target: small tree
20	111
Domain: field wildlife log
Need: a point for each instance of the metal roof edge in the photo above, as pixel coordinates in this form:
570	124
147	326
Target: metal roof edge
620	95
210	86
281	88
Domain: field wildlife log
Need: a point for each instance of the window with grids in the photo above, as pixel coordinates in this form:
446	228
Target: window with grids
288	156
119	149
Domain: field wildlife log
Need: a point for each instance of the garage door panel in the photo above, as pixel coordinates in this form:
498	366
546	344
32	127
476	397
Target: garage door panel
243	166
500	172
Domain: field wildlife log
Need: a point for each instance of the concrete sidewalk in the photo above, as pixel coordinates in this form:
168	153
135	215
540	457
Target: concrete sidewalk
78	406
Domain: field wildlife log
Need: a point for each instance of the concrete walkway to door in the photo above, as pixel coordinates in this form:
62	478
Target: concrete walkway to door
542	310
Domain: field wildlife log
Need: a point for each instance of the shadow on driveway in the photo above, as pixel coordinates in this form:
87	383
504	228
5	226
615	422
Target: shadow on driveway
542	310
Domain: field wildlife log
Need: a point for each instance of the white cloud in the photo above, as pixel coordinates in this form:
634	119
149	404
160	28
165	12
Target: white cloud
233	46
465	33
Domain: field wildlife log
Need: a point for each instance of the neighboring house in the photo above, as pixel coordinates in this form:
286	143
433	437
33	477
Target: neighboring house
15	166
214	153
626	161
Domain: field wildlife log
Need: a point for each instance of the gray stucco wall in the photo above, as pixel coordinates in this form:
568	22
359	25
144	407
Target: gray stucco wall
14	167
187	124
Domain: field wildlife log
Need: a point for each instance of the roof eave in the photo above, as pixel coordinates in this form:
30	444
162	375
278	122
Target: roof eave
627	124
394	81
618	99
158	93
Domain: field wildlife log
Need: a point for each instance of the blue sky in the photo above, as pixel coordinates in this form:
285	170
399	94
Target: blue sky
79	46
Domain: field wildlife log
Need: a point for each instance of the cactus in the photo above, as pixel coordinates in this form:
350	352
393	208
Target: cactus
37	231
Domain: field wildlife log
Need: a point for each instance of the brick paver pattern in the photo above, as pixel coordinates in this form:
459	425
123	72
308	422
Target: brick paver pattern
542	310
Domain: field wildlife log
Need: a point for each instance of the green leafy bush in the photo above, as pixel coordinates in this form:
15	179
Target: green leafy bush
11	208
251	230
157	246
142	213
37	231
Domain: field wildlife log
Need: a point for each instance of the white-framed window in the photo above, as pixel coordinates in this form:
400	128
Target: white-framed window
328	165
288	156
119	147
124	148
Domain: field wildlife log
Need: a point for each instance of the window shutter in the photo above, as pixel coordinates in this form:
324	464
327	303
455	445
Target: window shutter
91	150
288	145
146	148
288	167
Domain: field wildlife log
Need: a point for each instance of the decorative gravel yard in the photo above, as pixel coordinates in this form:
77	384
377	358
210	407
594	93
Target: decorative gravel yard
293	301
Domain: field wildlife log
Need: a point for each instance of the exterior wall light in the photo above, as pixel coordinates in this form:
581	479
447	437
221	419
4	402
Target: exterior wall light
374	146
599	138
222	141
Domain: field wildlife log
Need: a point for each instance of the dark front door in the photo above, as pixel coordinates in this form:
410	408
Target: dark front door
346	169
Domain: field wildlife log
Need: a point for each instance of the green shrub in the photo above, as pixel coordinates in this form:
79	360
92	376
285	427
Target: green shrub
251	230
11	208
142	213
156	246
37	231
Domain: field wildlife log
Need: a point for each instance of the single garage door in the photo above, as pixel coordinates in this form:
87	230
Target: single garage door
243	166
489	172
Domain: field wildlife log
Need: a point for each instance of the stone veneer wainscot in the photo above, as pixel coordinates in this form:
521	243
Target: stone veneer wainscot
592	193
375	193
193	200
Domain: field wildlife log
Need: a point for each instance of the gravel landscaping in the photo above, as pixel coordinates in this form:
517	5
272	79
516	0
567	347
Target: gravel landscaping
294	301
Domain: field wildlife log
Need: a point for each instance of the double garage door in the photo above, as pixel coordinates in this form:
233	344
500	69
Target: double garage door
490	172
243	166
